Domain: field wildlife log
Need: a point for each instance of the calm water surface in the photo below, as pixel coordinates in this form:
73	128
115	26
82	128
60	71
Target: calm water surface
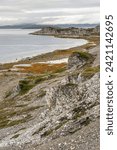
17	44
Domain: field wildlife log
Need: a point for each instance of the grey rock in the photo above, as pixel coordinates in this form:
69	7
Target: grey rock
68	32
67	117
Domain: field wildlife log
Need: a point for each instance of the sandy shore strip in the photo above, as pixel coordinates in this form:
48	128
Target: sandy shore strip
59	61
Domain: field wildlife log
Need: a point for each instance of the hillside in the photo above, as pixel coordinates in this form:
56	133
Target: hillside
38	26
52	106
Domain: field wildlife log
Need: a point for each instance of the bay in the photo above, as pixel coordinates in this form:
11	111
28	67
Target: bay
16	44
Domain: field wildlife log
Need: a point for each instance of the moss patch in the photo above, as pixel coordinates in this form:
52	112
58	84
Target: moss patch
84	55
6	122
29	82
59	70
25	85
90	71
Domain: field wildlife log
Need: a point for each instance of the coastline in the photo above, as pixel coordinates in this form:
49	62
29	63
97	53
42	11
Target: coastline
16	45
56	54
32	90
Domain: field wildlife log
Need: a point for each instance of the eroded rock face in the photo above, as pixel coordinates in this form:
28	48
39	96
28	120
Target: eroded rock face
60	96
75	103
75	60
69	105
70	95
79	59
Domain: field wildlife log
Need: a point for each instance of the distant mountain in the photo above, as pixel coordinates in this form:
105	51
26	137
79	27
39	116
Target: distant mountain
38	26
21	26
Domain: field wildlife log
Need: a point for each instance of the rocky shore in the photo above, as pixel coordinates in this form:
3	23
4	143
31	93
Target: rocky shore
52	106
69	32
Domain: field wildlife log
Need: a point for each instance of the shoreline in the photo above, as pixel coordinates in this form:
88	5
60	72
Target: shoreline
55	54
41	53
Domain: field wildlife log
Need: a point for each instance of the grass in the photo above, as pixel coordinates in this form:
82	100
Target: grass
28	83
59	70
39	79
45	71
25	85
84	55
43	68
9	110
90	71
6	122
28	109
57	54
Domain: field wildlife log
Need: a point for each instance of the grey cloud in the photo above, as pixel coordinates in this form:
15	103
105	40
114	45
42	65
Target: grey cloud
49	11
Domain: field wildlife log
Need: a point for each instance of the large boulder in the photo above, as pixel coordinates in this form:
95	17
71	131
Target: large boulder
79	59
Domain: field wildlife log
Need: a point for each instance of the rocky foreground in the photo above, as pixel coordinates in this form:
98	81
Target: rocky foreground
58	111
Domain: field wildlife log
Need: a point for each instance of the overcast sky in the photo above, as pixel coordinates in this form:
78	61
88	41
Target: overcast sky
49	11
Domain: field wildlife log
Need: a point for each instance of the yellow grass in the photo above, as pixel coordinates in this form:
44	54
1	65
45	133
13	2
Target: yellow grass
44	68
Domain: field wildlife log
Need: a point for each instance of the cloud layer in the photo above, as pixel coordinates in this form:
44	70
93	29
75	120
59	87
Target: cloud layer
49	11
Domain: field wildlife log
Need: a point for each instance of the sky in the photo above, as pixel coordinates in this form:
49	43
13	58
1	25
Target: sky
49	11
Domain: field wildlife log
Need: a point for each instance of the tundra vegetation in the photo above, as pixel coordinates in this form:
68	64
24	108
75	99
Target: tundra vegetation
44	105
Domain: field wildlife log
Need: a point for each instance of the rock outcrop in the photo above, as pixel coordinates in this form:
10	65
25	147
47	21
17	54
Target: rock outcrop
79	59
68	32
68	109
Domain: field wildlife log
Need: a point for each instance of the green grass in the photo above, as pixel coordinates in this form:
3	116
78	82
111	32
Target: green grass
83	55
6	122
25	85
90	71
29	82
60	70
38	80
9	110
